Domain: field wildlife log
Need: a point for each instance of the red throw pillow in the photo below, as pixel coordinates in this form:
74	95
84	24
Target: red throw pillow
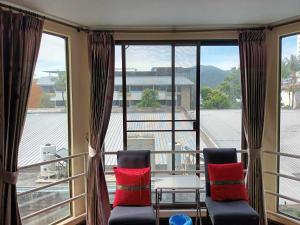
132	187
227	182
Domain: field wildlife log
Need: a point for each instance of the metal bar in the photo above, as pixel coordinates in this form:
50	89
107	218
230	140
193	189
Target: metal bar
146	131
282	175
166	171
169	171
172	152
151	121
52	184
283	154
282	196
52	161
198	66
124	96
53	206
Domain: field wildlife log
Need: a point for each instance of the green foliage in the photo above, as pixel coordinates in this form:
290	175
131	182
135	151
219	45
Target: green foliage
149	98
226	95
215	99
46	102
289	68
231	86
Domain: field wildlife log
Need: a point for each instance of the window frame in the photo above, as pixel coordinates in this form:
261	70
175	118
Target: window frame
68	110
281	37
173	44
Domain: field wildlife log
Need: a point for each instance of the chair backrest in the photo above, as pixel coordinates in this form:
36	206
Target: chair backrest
217	156
133	159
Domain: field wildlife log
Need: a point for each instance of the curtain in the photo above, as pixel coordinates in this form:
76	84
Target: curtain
252	49
20	37
101	63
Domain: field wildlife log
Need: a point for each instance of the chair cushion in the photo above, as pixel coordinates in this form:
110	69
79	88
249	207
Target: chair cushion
132	187
231	212
132	215
227	182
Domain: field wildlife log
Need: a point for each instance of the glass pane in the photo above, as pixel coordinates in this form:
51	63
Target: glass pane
184	125
290	123
185	81
148	82
45	136
35	201
49	217
220	97
153	141
149	126
114	134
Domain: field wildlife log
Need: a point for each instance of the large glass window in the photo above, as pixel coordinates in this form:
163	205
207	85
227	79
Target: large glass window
289	124
220	88
164	108
45	136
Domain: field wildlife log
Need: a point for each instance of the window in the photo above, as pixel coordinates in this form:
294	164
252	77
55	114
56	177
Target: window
159	105
220	88
289	125
46	136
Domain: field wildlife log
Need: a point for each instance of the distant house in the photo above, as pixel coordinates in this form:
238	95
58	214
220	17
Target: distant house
160	79
47	84
35	96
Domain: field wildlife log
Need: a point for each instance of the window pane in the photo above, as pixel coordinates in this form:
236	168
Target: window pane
185	82
45	136
290	123
148	82
114	134
220	97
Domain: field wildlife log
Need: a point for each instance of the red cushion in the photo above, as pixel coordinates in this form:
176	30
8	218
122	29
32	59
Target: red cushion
227	182
132	187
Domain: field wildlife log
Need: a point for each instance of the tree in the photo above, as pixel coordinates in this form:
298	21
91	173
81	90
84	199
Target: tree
231	86
214	99
61	84
149	98
46	101
289	68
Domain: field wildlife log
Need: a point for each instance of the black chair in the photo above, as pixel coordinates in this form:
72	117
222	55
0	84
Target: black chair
226	212
133	215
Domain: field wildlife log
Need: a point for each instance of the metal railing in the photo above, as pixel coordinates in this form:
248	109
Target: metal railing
278	175
60	181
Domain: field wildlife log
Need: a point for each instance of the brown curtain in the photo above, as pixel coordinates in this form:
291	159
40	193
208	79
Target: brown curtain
101	62
20	37
252	48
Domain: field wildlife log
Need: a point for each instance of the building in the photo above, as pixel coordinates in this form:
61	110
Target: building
158	79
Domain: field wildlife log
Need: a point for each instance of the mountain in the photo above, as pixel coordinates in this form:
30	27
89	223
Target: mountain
211	76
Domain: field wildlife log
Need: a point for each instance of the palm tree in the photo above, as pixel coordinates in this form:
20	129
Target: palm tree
289	69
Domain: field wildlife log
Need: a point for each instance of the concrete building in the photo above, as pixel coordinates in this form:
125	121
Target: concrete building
159	79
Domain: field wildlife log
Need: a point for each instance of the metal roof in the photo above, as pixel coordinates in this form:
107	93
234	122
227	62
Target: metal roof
153	80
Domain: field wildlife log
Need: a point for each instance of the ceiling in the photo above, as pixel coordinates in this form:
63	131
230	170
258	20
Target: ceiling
165	13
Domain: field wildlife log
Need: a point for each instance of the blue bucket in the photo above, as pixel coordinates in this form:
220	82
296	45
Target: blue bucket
180	219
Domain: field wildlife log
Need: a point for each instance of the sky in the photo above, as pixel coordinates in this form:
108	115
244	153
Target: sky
52	55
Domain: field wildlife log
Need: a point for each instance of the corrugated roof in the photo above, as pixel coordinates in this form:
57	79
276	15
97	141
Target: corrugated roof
153	80
41	129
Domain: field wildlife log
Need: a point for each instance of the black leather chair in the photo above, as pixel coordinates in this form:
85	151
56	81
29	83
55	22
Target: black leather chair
133	215
226	212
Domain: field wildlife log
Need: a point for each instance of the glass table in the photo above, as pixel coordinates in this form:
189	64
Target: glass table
178	184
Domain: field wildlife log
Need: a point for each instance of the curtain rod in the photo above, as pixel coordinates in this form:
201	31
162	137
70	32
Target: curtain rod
79	28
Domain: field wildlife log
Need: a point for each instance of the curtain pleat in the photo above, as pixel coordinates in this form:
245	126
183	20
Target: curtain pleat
252	49
101	62
20	37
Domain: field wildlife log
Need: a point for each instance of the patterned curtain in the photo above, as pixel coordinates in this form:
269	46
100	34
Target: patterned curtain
252	49
101	62
20	37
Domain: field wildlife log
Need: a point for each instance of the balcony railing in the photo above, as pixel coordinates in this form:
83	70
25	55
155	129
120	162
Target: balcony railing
83	174
60	181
